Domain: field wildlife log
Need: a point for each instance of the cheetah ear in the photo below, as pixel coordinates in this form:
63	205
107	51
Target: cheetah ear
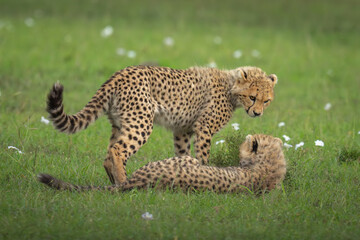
249	140
252	143
240	75
273	78
243	73
280	141
255	146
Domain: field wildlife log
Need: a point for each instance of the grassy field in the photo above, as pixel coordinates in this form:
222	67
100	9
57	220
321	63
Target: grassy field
312	46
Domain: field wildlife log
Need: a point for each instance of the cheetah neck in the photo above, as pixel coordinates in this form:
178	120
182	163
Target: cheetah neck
224	77
216	76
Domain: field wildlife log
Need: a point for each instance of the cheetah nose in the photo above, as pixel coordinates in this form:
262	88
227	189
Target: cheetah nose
257	114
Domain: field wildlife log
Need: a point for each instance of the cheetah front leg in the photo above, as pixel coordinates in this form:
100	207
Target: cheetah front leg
202	143
182	142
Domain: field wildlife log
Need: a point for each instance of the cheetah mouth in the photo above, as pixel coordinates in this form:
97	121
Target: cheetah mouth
247	111
252	115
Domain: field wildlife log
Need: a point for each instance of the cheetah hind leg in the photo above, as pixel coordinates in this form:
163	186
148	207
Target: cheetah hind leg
118	166
127	143
108	165
108	168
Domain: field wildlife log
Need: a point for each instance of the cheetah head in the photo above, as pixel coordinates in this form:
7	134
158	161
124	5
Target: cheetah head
255	145
252	89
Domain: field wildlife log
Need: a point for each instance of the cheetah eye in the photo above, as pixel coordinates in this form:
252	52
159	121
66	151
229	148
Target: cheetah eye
252	98
267	101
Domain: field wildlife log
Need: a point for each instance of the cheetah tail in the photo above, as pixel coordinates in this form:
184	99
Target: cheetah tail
81	120
61	185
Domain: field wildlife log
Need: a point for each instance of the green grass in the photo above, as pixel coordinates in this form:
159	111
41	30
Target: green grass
313	48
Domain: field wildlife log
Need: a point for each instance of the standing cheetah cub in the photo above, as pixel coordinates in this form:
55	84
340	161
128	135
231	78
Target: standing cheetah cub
262	167
196	101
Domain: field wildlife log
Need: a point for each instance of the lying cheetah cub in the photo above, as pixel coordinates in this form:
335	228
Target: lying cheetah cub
262	167
196	101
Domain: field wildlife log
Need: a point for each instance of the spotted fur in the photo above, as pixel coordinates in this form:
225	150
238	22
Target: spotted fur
195	101
262	167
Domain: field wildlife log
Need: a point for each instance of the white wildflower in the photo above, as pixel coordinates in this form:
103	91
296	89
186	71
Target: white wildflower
319	143
358	131
217	40
68	38
44	120
169	41
121	51
131	54
12	147
29	22
286	138
329	72
237	54
299	145
327	107
219	142
235	126
107	31
212	64
147	216
281	124
255	53
288	145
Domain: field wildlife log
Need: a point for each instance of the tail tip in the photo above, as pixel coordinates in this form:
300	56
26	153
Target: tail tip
45	178
55	97
57	89
57	86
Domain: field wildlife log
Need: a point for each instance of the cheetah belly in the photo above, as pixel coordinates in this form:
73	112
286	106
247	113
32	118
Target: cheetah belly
166	118
163	117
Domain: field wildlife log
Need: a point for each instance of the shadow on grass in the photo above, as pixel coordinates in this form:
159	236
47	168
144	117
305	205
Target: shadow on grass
228	153
347	156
